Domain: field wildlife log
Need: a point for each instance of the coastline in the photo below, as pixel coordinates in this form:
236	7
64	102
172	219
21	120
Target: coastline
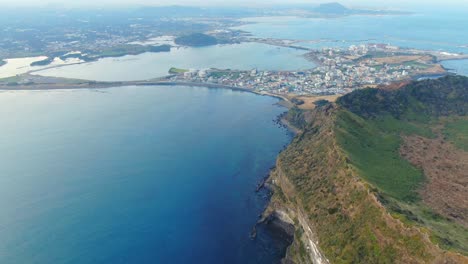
105	85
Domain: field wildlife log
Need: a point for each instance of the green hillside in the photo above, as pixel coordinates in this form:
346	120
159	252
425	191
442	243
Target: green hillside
354	171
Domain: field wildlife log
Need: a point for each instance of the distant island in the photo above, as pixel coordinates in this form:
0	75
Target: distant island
337	9
196	40
332	8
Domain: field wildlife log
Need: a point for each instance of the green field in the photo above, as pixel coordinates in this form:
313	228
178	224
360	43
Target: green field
416	65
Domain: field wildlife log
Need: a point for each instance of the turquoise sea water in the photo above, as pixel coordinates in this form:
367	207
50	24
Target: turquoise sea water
135	175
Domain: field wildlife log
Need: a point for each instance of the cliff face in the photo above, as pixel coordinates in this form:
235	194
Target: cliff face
347	210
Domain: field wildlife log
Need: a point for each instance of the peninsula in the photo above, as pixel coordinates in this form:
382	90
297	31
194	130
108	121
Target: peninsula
339	71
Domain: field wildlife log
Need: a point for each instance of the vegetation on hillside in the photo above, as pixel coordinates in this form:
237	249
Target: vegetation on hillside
440	97
456	132
370	127
349	224
374	152
295	117
348	158
372	147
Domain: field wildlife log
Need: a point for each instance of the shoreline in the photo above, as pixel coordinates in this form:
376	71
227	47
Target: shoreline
106	85
281	231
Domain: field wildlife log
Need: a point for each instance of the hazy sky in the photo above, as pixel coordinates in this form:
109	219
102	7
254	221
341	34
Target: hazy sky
398	4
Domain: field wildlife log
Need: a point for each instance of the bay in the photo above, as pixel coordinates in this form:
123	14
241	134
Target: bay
135	175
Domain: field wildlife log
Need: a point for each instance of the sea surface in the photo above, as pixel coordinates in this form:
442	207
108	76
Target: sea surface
135	175
457	66
245	56
437	30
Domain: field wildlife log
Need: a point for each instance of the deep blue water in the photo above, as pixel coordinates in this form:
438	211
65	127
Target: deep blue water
135	175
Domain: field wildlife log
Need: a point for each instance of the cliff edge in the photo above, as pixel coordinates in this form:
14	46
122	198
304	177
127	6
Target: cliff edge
378	177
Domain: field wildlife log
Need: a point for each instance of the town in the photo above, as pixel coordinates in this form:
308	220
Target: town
339	71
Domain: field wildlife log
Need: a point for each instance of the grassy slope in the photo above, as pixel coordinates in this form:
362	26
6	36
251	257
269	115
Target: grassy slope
456	131
350	224
372	139
375	154
356	141
372	146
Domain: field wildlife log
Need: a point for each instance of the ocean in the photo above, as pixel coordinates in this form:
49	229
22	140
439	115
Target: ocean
136	175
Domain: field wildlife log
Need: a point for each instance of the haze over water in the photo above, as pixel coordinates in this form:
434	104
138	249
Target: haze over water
135	175
436	30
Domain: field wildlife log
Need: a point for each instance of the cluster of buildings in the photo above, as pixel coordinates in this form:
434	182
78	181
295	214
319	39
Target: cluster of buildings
339	72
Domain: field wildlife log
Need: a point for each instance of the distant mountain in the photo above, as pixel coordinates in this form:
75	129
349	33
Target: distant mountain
337	9
332	8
